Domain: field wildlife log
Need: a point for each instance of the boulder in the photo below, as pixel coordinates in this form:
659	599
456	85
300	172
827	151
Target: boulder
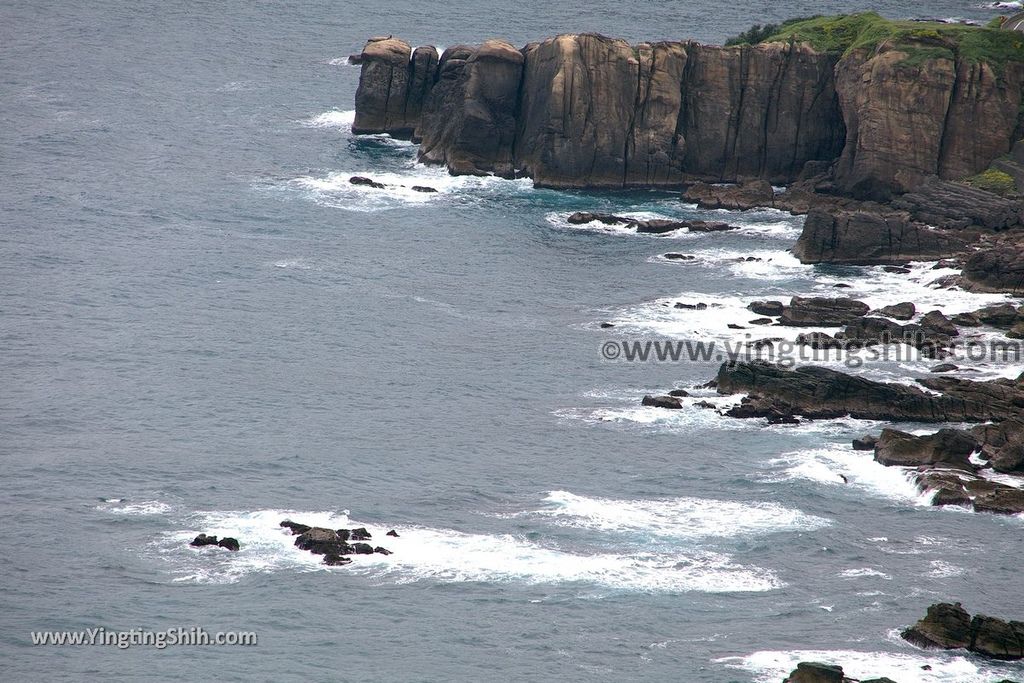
321	541
360	534
819	340
947	447
368	182
392	533
772	308
362	549
865	443
901	311
965	320
423	188
229	543
999	315
679	393
935	321
203	540
673	256
670	402
821	311
380	550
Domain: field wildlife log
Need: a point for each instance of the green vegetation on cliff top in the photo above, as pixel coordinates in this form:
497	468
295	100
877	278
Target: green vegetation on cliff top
921	40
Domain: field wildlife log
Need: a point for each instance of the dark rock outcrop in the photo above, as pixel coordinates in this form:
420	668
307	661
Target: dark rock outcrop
821	311
203	540
772	308
816	672
295	527
321	541
901	311
870	238
229	543
999	268
334	544
950	627
817	392
670	402
747	194
653	226
947	447
1002	444
393	83
955	206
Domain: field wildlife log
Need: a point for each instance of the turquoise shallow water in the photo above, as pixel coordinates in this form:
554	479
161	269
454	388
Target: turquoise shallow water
205	328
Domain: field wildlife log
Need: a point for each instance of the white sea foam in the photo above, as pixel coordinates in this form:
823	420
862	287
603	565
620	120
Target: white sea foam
335	190
295	264
941	569
332	119
119	506
445	555
830	465
773	666
690	518
864	572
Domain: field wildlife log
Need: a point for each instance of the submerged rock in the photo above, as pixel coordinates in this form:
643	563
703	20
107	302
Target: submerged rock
369	182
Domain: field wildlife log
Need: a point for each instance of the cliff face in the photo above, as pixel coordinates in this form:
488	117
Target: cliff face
759	111
591	111
906	120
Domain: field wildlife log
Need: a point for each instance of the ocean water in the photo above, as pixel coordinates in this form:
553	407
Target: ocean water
205	328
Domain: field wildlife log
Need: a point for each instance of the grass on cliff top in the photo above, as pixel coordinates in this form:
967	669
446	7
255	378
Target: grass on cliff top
922	40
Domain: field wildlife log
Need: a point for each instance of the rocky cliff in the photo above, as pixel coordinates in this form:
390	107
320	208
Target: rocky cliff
591	111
